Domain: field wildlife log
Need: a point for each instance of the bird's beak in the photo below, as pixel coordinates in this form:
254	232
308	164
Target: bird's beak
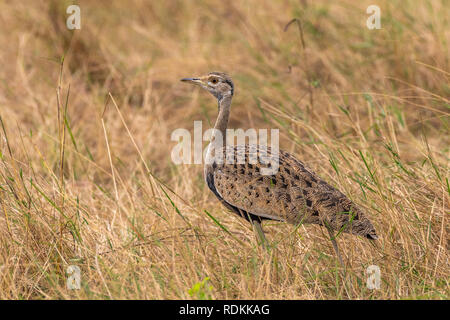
193	80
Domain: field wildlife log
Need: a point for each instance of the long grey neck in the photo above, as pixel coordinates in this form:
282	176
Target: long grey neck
219	133
222	119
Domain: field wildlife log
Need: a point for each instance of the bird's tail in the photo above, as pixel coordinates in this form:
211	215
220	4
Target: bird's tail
341	214
352	220
362	227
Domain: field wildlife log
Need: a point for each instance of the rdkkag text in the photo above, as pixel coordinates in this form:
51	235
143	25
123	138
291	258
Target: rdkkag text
228	309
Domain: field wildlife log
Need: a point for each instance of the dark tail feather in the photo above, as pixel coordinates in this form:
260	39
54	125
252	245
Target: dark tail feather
372	236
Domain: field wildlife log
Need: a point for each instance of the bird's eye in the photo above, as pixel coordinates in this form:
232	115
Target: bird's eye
214	81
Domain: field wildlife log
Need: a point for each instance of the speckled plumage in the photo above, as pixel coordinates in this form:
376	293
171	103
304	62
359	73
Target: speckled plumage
295	194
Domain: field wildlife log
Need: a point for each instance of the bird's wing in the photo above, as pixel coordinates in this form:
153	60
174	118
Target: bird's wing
281	196
243	195
293	193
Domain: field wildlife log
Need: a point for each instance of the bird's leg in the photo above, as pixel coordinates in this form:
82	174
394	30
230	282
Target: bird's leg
260	233
335	246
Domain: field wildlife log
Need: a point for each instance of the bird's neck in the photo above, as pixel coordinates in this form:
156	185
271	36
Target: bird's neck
218	138
222	120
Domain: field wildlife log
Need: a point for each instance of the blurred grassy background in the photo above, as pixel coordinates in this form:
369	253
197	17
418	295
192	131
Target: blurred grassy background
89	182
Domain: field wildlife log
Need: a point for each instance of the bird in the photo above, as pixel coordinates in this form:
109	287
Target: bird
293	193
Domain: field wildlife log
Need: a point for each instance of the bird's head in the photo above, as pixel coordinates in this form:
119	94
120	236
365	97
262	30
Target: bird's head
219	84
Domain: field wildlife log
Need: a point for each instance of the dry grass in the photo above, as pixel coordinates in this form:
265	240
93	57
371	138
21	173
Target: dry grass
80	184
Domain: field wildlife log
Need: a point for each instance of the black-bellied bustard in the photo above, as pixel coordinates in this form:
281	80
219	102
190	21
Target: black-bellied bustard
293	193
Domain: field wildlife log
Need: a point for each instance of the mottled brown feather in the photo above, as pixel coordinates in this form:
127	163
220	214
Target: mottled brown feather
294	194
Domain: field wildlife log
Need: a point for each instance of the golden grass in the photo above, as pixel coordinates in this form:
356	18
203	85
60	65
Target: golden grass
86	177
